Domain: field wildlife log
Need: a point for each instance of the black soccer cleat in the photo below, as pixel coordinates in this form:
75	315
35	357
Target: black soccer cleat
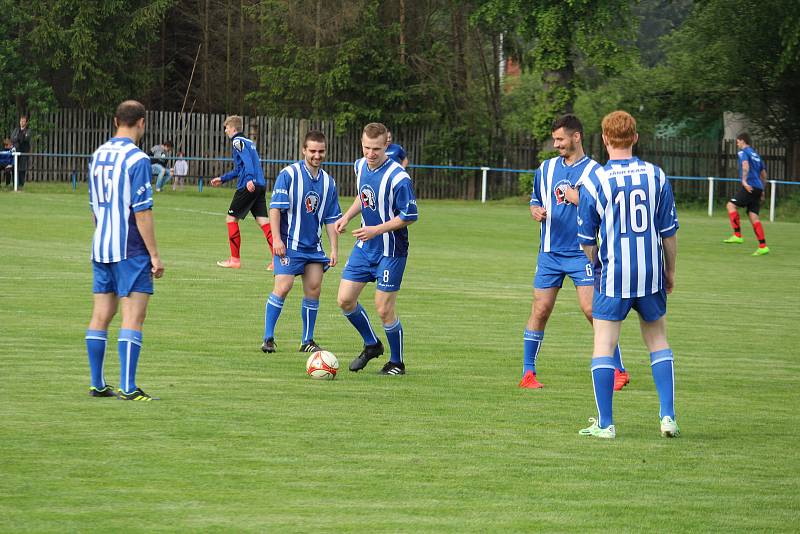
268	345
393	368
106	391
135	395
369	352
310	346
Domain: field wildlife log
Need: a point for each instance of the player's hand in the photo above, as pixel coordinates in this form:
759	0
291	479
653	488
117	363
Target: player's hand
365	233
251	186
669	282
157	267
216	182
340	226
747	188
538	213
278	247
334	259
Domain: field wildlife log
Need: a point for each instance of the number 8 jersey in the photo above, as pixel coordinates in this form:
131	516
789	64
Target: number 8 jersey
119	186
629	205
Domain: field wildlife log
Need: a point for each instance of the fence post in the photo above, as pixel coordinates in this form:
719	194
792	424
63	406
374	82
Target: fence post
200	184
772	200
74	180
710	195
484	171
16	169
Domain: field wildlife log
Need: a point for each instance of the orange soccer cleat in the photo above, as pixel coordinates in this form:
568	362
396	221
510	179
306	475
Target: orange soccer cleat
232	263
529	381
621	379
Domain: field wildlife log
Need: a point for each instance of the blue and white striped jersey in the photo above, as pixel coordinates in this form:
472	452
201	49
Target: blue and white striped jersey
559	231
629	204
247	163
119	186
755	166
307	204
385	193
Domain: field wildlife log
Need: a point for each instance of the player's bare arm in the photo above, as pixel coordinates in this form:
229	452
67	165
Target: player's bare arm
278	246
538	213
144	221
670	245
745	170
333	239
365	233
355	208
590	251
763	177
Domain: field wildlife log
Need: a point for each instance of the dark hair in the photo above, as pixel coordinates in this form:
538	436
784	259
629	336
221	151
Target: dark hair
569	122
314	135
129	112
744	136
168	144
24	116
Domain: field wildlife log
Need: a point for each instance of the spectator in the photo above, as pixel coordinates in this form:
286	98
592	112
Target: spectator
158	163
21	138
179	171
7	161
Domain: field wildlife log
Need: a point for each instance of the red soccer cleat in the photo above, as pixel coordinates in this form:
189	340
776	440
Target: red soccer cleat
529	381
621	379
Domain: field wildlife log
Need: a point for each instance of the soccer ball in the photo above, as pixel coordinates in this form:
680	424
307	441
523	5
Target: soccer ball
322	365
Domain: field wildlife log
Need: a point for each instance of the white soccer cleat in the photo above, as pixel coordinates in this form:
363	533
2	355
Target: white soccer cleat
594	430
669	428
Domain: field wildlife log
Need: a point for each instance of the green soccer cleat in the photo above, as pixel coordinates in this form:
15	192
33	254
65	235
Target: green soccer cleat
106	391
135	395
762	251
596	431
669	428
734	239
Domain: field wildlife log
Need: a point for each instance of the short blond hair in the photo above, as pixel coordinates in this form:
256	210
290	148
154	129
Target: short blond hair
235	121
375	130
619	129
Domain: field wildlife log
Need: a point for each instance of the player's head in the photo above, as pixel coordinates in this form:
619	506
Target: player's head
7	143
167	145
23	121
743	140
567	132
130	117
314	148
374	140
389	136
619	130
233	125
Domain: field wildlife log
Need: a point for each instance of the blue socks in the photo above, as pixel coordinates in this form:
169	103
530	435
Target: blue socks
394	335
309	310
358	318
618	360
532	340
96	348
273	310
603	382
661	364
130	344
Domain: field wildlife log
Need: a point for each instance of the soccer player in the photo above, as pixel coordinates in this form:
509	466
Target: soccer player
124	252
251	189
754	179
395	151
303	201
627	221
387	206
554	204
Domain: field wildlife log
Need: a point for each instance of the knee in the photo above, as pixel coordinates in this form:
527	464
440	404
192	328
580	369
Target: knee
541	312
731	207
346	303
385	312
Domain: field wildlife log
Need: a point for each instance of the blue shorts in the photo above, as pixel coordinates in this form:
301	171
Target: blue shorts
552	267
650	308
295	261
386	271
124	277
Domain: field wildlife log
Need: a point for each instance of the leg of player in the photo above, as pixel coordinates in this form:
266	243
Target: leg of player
273	308
134	310
105	307
759	231
621	376
654	334
263	222
543	302
385	304
312	286
349	292
235	242
606	337
733	215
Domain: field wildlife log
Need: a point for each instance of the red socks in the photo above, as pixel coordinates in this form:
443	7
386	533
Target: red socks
267	229
759	230
734	217
234	239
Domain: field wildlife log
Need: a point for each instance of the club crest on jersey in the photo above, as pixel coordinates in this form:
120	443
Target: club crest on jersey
285	261
560	191
238	144
368	197
311	202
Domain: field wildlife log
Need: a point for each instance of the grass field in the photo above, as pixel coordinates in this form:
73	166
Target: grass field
246	442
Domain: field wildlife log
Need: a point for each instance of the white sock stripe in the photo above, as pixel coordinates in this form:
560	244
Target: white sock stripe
273	302
128	369
402	349
371	331
308	324
97	338
308	306
620	357
129	340
391	327
664	359
596	404
603	366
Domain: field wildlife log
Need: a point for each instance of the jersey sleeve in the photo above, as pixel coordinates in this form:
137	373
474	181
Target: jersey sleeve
537	179
588	218
405	203
333	212
280	193
141	190
401	153
238	162
666	215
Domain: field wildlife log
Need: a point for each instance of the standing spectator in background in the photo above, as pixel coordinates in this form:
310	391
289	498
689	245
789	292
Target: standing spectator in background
180	170
395	151
21	138
7	161
158	163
